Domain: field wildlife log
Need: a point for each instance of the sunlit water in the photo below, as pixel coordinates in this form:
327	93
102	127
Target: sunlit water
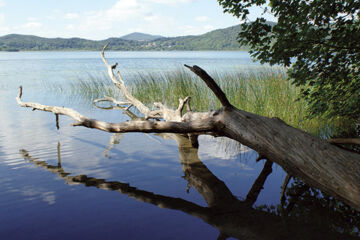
37	203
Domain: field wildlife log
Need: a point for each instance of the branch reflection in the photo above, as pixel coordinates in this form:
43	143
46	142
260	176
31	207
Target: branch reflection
231	216
293	219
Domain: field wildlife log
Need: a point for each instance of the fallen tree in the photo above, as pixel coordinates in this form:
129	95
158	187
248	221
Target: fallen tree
315	161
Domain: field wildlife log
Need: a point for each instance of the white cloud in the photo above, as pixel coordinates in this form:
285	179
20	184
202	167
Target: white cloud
123	9
209	27
2	3
151	18
31	19
27	28
158	17
196	30
55	14
71	16
3	28
170	1
122	15
202	19
70	27
32	25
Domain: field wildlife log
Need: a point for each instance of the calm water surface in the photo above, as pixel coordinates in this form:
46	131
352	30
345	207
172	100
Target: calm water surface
77	182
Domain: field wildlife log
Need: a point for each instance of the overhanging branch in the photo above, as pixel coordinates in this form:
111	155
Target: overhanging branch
210	82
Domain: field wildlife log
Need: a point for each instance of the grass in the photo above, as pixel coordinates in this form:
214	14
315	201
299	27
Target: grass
85	89
264	91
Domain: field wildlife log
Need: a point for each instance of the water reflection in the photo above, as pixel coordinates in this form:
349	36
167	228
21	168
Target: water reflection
320	209
225	212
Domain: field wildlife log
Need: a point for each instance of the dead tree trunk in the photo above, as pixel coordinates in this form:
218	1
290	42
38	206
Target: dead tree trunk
315	161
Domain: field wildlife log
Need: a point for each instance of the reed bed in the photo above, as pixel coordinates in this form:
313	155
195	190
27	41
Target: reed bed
85	89
264	91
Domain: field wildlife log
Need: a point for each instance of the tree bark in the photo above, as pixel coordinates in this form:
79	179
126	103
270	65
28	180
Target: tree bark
313	160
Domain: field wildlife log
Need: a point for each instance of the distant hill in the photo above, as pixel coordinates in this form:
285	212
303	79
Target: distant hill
17	42
220	39
137	36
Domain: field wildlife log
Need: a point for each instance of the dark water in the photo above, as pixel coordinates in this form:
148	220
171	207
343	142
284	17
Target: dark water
82	183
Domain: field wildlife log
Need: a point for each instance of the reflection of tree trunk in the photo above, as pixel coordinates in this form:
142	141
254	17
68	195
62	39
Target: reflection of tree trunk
225	212
115	139
124	188
259	183
213	190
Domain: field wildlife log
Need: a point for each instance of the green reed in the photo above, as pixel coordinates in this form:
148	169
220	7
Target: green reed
264	91
86	88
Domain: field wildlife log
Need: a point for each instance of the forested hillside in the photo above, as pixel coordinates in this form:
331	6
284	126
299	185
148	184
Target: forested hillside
221	39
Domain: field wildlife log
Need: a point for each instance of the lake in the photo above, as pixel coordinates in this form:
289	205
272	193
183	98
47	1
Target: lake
82	183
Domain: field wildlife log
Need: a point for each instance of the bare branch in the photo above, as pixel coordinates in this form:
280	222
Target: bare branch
165	113
355	141
56	110
210	82
121	85
111	99
182	103
135	126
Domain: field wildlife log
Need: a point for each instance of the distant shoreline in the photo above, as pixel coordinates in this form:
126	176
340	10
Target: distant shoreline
218	40
98	50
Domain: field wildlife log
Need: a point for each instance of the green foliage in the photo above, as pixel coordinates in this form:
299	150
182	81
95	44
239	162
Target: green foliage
137	36
319	40
221	39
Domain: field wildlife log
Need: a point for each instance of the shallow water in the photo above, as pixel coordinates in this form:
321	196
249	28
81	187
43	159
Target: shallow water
77	182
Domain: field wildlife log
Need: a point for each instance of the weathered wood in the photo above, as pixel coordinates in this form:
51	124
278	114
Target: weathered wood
111	99
355	141
203	124
313	160
210	82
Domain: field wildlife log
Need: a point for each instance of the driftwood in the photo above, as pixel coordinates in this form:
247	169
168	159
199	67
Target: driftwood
313	160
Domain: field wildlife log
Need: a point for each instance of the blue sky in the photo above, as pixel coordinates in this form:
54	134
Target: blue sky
95	19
